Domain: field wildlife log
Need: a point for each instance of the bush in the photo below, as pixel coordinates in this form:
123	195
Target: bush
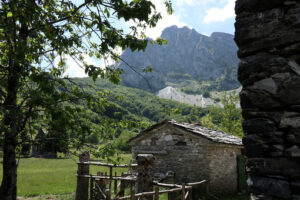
93	139
122	145
206	94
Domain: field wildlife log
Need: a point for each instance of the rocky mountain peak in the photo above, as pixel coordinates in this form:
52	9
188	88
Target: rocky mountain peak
188	55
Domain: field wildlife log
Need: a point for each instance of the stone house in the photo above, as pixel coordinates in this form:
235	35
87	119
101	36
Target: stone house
191	153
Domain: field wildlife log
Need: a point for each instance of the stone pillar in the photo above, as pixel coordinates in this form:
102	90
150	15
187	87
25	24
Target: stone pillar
82	188
144	182
268	37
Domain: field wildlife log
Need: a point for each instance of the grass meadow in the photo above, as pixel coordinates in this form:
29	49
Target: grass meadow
38	176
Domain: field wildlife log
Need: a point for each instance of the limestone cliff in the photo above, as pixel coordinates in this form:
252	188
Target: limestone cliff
188	55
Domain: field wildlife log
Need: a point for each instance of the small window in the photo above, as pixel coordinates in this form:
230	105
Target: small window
180	143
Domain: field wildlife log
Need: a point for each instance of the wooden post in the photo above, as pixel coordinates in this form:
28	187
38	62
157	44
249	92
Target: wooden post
132	195
99	181
190	197
131	186
82	188
156	193
91	187
108	194
122	186
115	184
183	192
110	176
110	172
144	181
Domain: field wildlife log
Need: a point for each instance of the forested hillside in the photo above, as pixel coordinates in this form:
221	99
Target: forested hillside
135	104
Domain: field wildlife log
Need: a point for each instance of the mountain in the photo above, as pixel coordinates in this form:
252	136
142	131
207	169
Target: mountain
189	59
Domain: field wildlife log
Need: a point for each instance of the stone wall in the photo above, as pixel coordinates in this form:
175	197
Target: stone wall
268	37
223	168
191	157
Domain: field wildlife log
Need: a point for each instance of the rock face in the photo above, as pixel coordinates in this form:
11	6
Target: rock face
193	100
187	56
267	34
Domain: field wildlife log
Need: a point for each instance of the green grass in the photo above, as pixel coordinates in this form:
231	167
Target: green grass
51	176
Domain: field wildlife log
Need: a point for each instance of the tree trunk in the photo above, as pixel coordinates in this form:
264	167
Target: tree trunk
10	129
8	190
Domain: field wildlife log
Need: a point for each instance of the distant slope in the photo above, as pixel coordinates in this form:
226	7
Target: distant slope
136	104
188	56
214	98
193	100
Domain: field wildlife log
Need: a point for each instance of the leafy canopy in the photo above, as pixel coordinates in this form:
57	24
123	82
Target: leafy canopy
35	33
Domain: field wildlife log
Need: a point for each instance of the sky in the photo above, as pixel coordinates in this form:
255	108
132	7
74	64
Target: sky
205	16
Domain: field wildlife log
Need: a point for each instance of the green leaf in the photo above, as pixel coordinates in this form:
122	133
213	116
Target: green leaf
107	12
9	14
148	69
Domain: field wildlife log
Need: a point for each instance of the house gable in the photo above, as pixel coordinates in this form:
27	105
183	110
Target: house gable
168	135
215	136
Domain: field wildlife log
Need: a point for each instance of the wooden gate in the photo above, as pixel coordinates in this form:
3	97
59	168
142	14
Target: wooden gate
110	186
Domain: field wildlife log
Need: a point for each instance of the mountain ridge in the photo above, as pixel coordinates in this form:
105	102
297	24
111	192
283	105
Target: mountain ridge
188	55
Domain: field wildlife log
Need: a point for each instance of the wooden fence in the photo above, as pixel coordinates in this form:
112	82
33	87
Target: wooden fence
109	186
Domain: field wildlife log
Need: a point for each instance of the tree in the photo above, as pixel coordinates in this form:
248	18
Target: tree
35	32
230	115
228	118
207	121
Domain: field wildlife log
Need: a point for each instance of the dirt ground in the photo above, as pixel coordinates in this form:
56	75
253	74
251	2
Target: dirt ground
50	197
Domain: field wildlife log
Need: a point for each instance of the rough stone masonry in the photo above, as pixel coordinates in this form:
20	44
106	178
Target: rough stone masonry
268	37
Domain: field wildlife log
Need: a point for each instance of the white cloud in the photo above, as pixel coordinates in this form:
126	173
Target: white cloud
187	2
220	14
76	69
108	60
194	2
166	21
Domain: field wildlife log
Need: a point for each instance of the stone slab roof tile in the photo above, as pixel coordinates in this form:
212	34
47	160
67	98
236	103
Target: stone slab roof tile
213	135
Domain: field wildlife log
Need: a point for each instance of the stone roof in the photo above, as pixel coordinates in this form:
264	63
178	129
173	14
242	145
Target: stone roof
213	135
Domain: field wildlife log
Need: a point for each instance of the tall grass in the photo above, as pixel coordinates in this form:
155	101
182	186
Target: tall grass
51	176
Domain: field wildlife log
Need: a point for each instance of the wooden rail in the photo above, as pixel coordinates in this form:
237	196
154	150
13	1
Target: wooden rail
186	191
108	177
109	165
176	185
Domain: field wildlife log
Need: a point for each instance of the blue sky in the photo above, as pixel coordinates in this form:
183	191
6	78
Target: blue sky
205	16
